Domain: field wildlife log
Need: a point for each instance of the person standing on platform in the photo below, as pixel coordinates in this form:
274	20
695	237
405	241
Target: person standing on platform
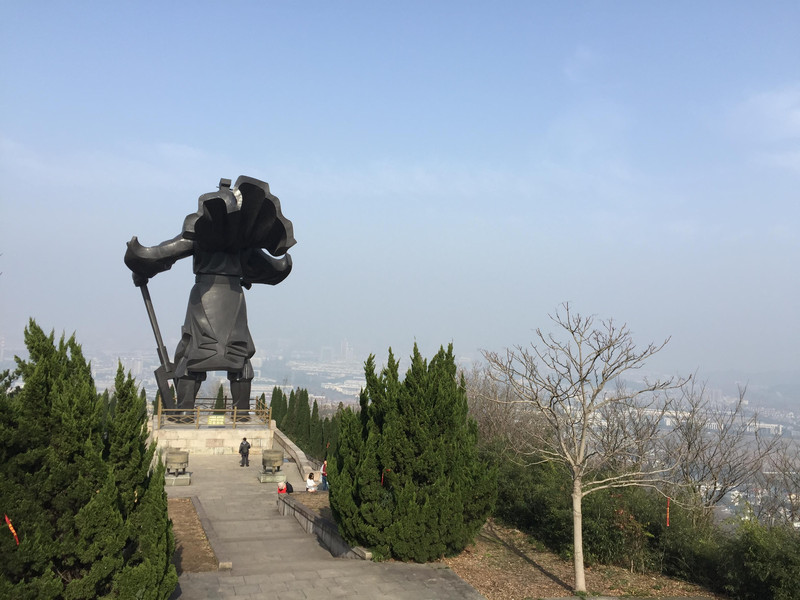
323	487
244	451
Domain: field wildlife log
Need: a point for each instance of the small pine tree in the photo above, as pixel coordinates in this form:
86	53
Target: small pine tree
289	422
99	544
278	404
75	464
302	428
261	405
129	455
54	468
342	466
148	564
315	444
149	573
406	479
219	403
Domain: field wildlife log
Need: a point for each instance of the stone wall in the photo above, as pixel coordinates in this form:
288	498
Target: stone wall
290	450
326	531
214	440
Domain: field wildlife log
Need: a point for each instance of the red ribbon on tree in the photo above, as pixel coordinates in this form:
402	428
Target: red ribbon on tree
667	511
11	527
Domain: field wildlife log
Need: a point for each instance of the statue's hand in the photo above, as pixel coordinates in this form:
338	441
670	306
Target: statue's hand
139	280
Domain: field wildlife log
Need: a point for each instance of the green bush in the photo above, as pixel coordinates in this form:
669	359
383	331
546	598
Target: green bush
219	403
76	480
406	478
624	526
627	527
534	499
762	563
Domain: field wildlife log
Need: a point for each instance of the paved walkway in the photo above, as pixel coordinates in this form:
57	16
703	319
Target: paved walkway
274	558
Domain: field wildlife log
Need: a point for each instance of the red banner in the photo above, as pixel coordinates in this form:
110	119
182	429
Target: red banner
11	527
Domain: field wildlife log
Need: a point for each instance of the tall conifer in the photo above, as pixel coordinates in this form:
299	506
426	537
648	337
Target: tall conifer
74	467
289	422
315	433
302	428
219	403
278	404
149	543
417	488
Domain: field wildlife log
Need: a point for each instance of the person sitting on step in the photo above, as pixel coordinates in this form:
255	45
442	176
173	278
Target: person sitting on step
311	485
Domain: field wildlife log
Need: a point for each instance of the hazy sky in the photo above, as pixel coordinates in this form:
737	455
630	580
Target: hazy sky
454	170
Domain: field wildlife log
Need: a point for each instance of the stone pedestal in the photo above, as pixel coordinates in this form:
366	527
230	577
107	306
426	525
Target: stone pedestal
212	440
271	477
182	479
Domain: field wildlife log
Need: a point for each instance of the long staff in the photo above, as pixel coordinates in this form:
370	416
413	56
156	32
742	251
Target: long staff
165	372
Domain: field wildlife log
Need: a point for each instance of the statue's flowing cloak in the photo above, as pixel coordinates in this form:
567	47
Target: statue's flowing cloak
227	237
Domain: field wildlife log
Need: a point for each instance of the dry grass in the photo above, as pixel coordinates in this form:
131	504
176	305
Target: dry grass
505	564
193	553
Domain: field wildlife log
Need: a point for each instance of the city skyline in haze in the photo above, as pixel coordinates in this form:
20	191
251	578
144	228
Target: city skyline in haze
454	172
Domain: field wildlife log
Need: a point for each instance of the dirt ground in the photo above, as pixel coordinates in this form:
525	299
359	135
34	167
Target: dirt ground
193	553
503	564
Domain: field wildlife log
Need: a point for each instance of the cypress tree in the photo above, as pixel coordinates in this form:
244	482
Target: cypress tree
149	543
278	404
274	404
149	572
74	465
289	421
315	443
326	436
99	544
417	488
302	429
342	465
219	403
54	468
129	455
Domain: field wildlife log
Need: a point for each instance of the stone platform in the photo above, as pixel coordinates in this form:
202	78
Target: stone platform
182	479
213	439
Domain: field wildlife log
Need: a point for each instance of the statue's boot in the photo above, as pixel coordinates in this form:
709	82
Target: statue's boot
187	392
240	393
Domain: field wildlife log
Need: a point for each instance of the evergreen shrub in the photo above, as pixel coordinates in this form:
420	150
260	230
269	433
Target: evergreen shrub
406	477
761	563
76	480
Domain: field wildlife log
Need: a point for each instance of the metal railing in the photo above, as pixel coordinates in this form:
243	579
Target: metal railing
207	416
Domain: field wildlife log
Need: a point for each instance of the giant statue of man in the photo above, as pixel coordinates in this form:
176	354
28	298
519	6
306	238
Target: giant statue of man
227	238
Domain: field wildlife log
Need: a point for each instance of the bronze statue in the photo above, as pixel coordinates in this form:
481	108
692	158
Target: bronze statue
226	237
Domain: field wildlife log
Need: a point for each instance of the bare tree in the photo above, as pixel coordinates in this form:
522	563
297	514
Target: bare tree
774	493
603	432
717	448
500	421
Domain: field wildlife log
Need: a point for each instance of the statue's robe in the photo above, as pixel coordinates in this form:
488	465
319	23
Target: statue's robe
227	237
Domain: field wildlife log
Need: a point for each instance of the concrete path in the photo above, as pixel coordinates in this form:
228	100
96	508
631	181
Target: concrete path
273	558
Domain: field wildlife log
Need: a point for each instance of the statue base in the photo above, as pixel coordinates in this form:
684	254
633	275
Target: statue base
182	479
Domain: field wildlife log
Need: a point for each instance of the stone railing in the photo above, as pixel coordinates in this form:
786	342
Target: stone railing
325	530
210	417
304	465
